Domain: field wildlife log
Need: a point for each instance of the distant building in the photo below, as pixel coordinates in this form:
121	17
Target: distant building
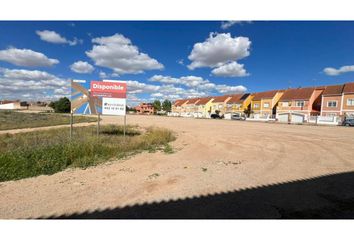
264	104
145	108
177	107
297	105
338	100
239	103
13	105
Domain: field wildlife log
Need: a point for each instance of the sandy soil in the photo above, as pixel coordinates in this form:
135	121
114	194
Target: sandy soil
211	157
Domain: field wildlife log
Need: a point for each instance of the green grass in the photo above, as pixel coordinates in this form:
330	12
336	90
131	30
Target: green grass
31	154
16	120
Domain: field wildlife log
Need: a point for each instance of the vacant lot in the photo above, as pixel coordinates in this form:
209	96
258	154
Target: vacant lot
16	120
219	169
30	154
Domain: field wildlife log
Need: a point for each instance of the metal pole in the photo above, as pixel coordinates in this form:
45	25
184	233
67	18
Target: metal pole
98	124
125	122
71	124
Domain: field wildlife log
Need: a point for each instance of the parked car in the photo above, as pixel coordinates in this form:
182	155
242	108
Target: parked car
237	117
348	122
215	116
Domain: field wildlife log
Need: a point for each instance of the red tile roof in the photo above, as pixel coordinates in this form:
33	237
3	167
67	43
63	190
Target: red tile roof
221	98
180	102
297	94
238	98
263	95
348	88
333	90
192	100
203	101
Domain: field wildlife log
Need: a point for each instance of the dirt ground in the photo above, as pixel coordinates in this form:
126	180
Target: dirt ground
220	169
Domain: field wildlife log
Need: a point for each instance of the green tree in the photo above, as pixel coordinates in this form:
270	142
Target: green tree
157	105
63	105
166	105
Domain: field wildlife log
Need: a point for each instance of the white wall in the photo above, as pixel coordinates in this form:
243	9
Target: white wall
9	106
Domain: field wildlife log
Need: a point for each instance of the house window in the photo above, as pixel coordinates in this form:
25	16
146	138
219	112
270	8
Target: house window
256	105
350	102
266	105
332	104
299	103
285	104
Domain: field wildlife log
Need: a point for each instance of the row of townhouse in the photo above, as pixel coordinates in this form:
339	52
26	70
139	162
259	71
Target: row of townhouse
293	104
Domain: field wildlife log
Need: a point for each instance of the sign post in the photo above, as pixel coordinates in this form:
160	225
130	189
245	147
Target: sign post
71	124
98	124
125	124
113	95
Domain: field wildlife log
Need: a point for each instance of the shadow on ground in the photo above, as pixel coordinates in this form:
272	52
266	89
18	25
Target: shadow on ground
328	196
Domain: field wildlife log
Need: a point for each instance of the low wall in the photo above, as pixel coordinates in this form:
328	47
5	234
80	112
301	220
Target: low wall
326	120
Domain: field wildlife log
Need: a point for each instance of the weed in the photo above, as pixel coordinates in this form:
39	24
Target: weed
152	176
16	120
168	149
31	154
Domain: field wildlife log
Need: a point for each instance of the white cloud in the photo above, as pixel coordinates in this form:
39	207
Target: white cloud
224	89
26	74
26	58
138	87
32	85
164	79
195	83
334	72
181	62
82	67
232	69
227	24
157	95
175	88
119	54
218	50
189	81
53	37
103	74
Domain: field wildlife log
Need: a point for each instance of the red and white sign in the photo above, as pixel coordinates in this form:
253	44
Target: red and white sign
109	89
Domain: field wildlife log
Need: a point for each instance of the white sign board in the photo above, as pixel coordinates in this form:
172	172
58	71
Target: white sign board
113	106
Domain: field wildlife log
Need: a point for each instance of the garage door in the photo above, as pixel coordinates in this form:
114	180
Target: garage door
283	118
297	118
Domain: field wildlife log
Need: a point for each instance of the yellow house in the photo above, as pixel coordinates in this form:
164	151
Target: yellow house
204	107
239	103
189	107
177	106
219	104
264	104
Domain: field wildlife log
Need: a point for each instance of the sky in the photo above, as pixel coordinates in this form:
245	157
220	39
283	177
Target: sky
173	60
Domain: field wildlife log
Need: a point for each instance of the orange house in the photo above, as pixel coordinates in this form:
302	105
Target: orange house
302	102
331	104
145	108
348	100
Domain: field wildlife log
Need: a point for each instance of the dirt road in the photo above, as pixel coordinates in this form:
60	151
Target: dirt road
220	169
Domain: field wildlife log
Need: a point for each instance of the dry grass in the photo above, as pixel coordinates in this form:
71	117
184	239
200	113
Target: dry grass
46	152
17	120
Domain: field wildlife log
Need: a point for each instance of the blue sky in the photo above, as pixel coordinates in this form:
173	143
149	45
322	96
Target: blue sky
173	59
